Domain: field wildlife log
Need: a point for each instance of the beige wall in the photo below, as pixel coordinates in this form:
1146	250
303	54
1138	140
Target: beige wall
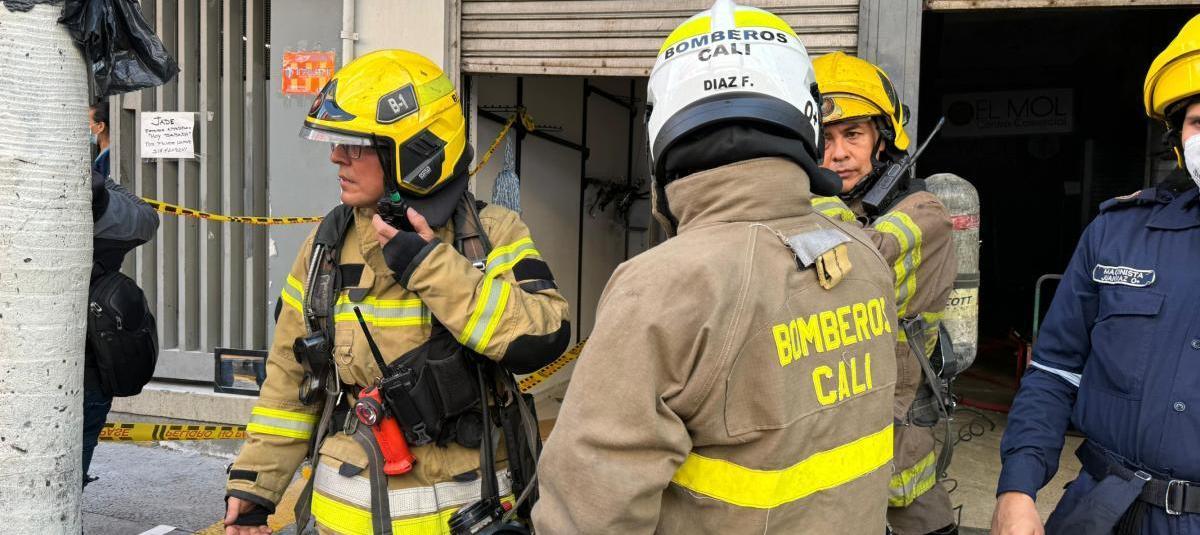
417	25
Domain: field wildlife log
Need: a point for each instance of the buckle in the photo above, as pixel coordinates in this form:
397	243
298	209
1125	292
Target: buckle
1142	476
1174	507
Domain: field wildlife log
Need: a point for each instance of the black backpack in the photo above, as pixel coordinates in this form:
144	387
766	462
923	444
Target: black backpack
122	335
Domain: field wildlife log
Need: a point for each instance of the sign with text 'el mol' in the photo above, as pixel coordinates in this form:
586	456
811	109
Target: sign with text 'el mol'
1009	113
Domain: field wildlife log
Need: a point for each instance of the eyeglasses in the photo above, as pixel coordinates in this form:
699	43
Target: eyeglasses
352	152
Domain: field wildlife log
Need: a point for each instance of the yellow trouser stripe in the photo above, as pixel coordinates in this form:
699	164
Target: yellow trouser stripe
833	207
281	423
764	489
350	520
908	485
908	235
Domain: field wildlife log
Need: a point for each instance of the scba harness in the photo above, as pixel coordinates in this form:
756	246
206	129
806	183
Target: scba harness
438	392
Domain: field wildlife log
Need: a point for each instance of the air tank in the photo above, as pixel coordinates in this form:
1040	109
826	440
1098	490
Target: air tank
962	309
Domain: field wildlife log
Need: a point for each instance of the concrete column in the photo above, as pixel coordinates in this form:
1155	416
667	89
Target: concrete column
889	35
45	261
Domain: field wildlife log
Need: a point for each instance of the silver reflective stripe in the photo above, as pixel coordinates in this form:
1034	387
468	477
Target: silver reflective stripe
1069	377
485	316
403	502
414	312
509	256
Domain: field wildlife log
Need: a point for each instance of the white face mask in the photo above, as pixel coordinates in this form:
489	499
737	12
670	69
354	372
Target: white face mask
1191	157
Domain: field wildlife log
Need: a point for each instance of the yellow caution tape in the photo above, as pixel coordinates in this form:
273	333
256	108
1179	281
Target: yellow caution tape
168	208
543	373
141	432
526	121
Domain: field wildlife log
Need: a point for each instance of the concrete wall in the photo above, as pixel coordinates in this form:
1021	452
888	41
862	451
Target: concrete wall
417	25
301	181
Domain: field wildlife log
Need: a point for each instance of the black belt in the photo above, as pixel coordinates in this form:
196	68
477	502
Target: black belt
1176	496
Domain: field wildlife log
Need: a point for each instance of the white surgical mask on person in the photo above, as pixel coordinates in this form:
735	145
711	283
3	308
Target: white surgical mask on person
1191	157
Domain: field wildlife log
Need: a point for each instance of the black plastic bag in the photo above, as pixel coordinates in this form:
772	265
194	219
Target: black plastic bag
122	52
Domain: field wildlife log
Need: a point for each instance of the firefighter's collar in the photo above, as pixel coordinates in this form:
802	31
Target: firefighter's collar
760	189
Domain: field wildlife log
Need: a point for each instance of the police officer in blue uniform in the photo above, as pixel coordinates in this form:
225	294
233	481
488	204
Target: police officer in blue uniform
1119	354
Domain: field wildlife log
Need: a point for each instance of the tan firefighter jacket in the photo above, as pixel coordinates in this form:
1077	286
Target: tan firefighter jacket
915	238
490	311
723	390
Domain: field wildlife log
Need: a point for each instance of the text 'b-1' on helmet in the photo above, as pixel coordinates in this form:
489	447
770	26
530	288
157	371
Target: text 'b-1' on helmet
735	64
853	88
402	104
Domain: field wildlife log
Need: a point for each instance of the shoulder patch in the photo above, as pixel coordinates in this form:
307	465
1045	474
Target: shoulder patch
1144	196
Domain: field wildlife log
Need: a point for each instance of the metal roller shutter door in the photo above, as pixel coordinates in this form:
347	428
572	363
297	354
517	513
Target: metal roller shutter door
617	37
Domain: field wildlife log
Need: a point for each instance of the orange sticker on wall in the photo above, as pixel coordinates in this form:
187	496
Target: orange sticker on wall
306	71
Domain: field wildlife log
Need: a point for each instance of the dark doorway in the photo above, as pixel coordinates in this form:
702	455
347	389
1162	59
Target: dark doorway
1044	117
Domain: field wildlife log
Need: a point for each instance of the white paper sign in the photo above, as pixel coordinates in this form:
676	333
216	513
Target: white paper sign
168	134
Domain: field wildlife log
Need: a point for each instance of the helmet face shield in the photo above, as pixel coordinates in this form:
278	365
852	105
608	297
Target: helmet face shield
322	135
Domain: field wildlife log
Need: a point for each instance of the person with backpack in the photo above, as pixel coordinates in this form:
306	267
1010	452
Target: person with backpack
864	138
405	315
122	342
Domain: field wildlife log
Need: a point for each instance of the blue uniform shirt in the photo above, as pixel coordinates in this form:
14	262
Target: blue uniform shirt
1119	353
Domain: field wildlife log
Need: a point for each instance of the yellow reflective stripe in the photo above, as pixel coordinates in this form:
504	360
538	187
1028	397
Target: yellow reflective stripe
350	520
908	234
293	294
764	489
488	309
743	17
434	90
291	300
295	283
908	485
383	312
687	30
833	207
494	320
754	18
505	250
281	423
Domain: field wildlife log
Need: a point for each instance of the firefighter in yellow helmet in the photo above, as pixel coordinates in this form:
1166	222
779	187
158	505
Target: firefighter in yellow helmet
1118	355
403	317
864	136
739	376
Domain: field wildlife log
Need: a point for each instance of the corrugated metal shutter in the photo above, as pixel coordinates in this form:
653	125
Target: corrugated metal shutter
975	5
617	37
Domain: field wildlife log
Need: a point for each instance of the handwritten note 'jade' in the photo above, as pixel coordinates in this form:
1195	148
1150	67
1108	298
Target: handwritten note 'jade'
168	134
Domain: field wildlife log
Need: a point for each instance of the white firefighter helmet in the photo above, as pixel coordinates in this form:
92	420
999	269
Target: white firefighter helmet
734	64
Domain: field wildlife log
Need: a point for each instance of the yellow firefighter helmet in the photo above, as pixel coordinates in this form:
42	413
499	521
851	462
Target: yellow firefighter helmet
852	88
402	104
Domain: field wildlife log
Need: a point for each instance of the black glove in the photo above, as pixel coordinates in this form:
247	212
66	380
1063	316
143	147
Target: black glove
253	517
99	195
257	516
402	250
